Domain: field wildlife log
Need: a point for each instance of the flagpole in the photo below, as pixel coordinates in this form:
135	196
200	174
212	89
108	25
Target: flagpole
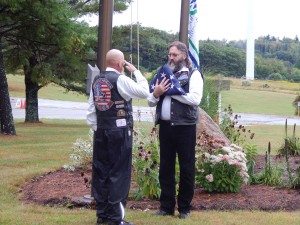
104	31
184	21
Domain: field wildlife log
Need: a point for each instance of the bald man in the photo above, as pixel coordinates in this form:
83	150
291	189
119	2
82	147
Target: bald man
110	116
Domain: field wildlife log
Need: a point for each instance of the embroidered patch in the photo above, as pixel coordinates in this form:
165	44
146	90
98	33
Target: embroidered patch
120	106
119	102
102	94
121	122
121	112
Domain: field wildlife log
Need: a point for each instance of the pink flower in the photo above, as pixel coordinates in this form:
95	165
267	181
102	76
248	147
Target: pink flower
209	177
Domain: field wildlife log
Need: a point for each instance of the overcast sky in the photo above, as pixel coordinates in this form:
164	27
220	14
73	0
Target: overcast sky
218	19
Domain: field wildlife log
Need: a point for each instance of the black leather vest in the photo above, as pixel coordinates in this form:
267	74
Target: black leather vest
181	114
112	110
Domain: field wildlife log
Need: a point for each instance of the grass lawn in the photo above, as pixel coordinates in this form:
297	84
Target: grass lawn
43	147
261	97
257	101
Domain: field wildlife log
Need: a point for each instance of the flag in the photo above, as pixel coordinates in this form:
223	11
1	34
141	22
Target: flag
192	35
165	71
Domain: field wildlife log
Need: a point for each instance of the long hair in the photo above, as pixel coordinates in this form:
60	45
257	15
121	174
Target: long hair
182	47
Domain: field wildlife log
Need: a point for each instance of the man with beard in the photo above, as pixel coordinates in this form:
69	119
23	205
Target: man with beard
177	116
110	116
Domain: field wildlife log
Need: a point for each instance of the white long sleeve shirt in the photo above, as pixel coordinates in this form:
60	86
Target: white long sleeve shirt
192	98
126	87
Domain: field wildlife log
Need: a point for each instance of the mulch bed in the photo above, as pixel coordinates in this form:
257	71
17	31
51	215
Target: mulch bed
61	188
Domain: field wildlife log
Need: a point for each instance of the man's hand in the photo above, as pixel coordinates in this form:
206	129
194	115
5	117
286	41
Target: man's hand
131	68
161	88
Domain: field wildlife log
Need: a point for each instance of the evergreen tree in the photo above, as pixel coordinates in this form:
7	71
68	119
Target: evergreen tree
6	117
46	41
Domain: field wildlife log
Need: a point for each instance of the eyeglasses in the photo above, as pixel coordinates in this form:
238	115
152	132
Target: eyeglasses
174	54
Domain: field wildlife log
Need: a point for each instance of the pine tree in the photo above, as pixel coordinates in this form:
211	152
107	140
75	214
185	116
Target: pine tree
6	117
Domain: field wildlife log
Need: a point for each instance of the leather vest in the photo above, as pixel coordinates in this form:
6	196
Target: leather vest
112	110
181	114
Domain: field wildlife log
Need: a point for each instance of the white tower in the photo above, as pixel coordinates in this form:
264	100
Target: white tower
250	44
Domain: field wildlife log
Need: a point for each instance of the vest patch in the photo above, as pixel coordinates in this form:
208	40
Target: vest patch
121	112
121	122
120	106
102	94
119	102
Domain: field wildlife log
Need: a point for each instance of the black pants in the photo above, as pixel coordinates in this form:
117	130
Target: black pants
112	157
180	140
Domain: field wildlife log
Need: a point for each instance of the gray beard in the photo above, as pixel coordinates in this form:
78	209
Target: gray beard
176	67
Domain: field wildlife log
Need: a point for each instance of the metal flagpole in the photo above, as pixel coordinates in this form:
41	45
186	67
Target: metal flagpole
184	21
104	31
104	44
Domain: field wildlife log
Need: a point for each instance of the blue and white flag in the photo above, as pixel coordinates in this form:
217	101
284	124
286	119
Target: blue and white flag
165	71
193	35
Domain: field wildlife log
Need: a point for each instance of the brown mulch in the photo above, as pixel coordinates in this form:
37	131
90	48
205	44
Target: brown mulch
69	188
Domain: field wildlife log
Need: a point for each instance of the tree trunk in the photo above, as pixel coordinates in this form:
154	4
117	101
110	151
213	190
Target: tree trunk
32	88
32	108
6	117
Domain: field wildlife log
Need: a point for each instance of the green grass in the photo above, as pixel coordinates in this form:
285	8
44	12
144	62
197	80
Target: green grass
43	147
274	134
259	102
16	88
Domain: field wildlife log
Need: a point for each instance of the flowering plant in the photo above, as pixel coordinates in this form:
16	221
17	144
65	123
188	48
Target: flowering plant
222	170
146	164
82	153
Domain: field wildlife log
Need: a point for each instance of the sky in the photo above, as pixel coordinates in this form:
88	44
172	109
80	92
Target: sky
218	19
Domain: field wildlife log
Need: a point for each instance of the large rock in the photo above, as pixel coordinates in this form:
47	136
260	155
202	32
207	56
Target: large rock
208	125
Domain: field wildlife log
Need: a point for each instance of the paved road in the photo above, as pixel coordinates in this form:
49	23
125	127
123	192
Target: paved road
52	109
77	110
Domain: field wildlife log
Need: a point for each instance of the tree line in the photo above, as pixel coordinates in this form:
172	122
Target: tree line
275	59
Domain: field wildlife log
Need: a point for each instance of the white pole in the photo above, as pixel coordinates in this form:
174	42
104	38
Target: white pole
250	44
138	35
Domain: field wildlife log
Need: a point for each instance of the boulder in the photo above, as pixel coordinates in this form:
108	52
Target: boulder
209	126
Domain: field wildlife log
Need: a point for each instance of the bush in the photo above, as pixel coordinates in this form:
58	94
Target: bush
222	170
291	145
146	164
246	83
275	76
271	175
235	133
251	156
82	153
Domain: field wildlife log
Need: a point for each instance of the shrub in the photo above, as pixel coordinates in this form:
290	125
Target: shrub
236	133
295	103
251	156
275	76
291	145
246	83
82	153
296	179
222	170
271	175
146	164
